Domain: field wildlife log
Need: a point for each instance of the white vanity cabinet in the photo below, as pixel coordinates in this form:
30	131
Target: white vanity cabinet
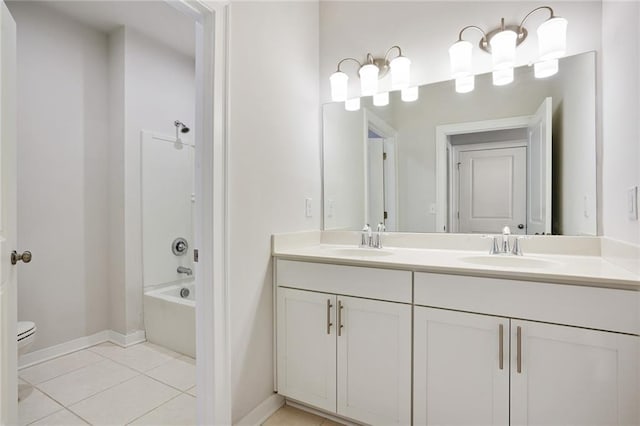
346	352
551	374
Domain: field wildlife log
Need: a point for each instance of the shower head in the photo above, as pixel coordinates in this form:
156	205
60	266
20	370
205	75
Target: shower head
180	125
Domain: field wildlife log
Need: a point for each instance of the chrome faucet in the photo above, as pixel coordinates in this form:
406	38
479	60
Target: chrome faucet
184	270
504	246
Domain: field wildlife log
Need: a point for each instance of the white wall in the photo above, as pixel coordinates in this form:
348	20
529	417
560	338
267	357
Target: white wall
274	163
62	174
621	116
425	31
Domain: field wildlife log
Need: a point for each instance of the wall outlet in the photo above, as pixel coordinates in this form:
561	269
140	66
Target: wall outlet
307	207
632	203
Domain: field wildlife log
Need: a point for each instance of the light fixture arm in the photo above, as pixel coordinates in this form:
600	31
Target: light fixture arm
386	55
521	26
484	35
348	59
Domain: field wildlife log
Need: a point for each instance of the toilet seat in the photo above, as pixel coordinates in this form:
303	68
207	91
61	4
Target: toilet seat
26	329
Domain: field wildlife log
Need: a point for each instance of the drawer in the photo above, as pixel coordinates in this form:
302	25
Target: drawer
382	284
590	307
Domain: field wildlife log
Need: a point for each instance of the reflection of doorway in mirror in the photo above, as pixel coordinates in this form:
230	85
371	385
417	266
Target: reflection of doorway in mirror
491	187
381	174
485	178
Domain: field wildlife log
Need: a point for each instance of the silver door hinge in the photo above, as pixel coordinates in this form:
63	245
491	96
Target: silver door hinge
195	255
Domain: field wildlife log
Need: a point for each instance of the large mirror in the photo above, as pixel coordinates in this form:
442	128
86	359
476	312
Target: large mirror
521	155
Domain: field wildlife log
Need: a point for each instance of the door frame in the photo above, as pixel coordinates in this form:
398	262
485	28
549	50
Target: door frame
211	155
389	134
443	162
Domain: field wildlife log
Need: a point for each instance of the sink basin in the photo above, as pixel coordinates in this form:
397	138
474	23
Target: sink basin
509	261
359	252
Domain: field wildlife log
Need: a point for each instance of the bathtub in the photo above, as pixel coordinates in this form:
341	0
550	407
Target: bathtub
170	319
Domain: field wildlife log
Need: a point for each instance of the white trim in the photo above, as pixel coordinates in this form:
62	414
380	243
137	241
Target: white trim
212	323
41	355
127	340
442	144
320	413
263	411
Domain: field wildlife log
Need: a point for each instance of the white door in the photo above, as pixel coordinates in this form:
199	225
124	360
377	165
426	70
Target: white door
8	291
539	170
374	361
461	368
390	186
306	344
492	190
570	376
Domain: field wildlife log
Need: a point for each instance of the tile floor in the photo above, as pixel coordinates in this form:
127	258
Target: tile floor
291	416
106	384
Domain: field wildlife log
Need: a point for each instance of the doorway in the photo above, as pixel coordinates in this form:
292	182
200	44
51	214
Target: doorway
207	22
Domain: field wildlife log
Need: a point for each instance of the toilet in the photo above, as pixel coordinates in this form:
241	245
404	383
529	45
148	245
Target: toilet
26	335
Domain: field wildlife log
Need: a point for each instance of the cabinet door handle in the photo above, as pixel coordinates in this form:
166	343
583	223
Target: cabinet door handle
519	349
501	346
340	307
329	324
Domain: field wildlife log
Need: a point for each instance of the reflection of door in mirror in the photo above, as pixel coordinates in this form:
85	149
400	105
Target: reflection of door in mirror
500	173
381	175
491	187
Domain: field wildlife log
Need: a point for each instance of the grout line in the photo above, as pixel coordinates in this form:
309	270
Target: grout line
67	372
44	417
104	357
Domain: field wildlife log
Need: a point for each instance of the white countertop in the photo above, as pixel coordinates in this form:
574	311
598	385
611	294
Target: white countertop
556	268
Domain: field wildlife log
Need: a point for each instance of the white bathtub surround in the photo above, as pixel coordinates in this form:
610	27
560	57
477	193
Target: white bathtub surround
142	384
170	319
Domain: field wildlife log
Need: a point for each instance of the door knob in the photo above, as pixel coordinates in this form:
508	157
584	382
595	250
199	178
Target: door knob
521	226
24	256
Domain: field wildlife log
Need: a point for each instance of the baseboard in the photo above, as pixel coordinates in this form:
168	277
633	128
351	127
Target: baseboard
123	340
42	355
322	413
65	348
262	412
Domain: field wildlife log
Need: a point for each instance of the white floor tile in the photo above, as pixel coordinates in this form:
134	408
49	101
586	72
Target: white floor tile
179	373
179	411
61	418
125	402
80	384
59	366
141	357
35	406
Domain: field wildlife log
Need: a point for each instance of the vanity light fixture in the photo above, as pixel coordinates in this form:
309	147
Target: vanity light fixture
501	43
370	72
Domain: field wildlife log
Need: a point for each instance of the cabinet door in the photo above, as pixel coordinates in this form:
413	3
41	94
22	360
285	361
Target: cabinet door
461	368
374	361
306	347
571	376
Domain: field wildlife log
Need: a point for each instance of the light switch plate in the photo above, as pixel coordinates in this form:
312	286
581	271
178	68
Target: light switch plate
307	207
632	203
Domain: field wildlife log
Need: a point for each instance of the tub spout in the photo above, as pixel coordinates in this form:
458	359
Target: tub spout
183	270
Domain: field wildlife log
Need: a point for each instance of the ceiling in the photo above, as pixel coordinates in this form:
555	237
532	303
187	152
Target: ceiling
154	18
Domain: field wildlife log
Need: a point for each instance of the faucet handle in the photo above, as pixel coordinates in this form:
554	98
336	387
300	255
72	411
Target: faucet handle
506	231
495	248
381	227
517	246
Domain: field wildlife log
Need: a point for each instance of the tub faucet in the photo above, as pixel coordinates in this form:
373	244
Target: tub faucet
184	270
